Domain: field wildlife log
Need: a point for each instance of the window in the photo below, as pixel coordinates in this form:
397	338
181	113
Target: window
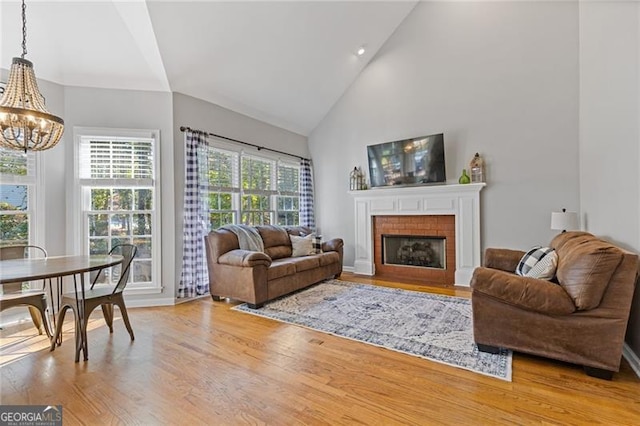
17	197
118	190
251	189
223	184
257	190
288	199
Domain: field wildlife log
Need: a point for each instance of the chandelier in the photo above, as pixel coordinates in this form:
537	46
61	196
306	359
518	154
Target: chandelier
25	123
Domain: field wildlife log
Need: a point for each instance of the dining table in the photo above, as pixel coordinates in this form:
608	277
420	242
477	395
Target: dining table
58	267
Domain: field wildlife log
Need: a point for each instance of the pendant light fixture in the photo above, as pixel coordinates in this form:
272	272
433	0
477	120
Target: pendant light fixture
25	123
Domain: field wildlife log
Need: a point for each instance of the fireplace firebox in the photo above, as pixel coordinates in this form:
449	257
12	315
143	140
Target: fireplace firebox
414	250
429	259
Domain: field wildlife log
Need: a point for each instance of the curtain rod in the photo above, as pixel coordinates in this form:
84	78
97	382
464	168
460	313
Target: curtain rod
258	147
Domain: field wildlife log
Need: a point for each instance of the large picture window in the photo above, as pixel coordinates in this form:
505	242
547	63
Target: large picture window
118	188
251	189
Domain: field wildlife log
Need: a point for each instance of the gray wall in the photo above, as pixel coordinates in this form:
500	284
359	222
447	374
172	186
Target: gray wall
609	129
201	115
53	163
125	109
497	78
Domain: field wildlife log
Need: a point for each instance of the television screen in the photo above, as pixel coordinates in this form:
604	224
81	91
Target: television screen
415	161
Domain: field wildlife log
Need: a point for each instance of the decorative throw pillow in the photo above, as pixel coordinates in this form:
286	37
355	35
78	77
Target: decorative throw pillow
302	246
545	268
533	257
317	244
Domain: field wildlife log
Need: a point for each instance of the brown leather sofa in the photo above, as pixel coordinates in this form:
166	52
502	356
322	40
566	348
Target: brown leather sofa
257	277
581	318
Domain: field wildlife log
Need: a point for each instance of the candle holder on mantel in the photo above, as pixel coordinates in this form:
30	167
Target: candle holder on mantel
476	169
356	180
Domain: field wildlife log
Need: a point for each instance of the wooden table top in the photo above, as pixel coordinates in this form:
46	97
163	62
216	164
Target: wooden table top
19	270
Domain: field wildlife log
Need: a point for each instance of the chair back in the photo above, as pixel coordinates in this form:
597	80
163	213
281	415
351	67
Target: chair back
19	252
128	252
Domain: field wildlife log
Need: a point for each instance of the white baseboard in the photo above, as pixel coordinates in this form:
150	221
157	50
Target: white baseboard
348	268
631	358
14	316
190	299
151	302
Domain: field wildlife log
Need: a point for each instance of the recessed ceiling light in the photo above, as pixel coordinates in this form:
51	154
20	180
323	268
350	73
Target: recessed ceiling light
361	51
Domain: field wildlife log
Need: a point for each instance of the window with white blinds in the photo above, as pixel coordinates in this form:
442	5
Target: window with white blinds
118	192
17	195
117	158
250	189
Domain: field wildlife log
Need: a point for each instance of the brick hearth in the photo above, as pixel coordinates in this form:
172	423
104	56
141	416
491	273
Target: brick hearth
424	225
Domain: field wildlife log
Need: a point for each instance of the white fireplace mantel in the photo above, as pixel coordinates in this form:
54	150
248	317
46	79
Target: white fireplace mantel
463	201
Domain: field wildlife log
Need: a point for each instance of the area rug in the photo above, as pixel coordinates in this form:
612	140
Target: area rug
438	328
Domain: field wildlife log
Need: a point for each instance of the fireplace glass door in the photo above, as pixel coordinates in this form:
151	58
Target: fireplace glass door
414	250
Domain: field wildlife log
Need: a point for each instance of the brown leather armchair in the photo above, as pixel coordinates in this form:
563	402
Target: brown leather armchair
581	318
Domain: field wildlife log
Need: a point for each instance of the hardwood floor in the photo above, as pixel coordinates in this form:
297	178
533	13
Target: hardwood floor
202	363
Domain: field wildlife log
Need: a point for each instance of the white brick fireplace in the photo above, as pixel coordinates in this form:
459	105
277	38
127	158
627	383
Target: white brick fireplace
462	201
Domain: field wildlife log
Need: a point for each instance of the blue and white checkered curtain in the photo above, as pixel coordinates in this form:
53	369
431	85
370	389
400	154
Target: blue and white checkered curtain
194	280
306	194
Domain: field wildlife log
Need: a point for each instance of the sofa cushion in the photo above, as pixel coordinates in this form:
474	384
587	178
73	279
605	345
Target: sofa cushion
586	274
301	246
531	259
305	263
527	293
280	268
276	241
585	266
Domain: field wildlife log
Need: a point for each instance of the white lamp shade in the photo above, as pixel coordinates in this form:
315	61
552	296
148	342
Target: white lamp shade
564	221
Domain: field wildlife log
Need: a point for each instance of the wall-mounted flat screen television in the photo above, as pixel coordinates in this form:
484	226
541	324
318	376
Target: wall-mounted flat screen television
415	161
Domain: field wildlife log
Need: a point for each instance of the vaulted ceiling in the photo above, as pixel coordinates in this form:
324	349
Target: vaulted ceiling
285	63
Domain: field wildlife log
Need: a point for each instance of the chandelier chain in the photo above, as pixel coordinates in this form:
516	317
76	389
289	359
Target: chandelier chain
24	29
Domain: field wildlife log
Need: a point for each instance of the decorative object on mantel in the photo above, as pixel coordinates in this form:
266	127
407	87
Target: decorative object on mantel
464	177
564	221
25	122
356	180
476	168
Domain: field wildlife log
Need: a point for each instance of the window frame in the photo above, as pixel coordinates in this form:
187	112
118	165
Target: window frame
82	198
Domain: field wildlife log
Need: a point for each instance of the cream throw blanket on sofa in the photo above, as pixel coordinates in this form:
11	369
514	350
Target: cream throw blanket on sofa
248	237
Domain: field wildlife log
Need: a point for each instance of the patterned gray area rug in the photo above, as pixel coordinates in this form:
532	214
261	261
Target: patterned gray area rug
430	326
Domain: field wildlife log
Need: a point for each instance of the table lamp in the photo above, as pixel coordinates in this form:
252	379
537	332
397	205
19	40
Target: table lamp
564	220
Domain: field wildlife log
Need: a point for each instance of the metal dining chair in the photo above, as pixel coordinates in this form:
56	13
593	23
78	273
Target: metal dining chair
103	295
14	294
